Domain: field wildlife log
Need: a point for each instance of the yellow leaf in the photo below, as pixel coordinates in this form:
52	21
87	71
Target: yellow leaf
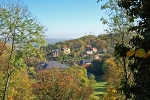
140	53
130	53
147	54
114	91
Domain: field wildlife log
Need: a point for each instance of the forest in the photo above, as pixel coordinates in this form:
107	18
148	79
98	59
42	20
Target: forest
112	66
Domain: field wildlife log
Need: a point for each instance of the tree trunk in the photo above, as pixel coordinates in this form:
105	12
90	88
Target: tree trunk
6	85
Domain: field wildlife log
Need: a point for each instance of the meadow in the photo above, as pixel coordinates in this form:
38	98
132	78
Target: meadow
99	89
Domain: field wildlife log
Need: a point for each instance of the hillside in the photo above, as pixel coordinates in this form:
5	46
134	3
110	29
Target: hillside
74	50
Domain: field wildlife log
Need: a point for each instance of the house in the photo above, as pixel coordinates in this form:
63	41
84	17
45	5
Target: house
96	56
85	55
89	45
51	64
90	50
66	50
85	62
55	53
94	49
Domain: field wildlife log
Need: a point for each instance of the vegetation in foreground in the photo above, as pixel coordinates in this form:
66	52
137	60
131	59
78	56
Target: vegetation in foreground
126	74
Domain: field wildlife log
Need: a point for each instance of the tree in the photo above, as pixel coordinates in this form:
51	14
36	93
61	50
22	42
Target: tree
113	73
96	67
62	84
138	54
19	85
24	35
119	24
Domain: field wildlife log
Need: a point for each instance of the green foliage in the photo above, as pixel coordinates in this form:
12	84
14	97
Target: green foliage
119	23
23	36
96	68
113	75
78	48
139	66
19	85
65	84
21	30
92	80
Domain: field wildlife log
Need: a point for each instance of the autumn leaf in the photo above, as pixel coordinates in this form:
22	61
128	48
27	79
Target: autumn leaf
130	53
140	53
114	90
147	54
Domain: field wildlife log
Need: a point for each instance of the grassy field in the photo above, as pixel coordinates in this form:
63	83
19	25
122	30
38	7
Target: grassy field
100	89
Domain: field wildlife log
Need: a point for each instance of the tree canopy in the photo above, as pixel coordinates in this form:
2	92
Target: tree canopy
23	36
138	55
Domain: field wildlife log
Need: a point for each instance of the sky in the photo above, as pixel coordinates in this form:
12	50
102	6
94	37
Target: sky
68	18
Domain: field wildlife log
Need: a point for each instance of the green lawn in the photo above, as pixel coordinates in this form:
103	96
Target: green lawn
100	89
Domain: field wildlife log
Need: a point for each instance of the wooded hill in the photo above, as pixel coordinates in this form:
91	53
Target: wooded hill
104	43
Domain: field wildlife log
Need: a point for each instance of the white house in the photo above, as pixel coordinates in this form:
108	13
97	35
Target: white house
66	50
